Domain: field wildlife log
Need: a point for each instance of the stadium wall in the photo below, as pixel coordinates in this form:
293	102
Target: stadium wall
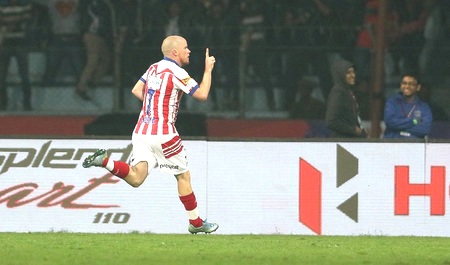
307	188
188	124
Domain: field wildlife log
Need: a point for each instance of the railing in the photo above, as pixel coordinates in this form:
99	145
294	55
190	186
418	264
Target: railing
120	87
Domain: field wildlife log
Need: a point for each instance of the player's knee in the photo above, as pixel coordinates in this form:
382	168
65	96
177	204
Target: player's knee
137	175
135	179
185	177
135	183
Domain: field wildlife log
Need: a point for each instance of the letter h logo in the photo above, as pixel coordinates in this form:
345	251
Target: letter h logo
435	190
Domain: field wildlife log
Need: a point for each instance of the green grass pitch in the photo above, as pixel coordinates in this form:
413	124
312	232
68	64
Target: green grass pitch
135	248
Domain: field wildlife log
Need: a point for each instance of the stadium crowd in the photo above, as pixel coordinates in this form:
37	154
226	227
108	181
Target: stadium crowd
258	43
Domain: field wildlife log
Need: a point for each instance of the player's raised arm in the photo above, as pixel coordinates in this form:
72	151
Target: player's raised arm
203	91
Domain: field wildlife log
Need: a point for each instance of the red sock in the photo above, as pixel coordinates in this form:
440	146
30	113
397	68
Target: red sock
121	169
190	204
105	162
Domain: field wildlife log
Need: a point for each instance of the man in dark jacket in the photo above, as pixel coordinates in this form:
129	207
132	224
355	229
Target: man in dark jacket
342	115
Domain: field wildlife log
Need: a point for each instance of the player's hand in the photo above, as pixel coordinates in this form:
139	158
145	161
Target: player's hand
209	61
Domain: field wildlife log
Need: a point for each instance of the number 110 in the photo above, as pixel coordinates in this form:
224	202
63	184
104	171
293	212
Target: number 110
117	218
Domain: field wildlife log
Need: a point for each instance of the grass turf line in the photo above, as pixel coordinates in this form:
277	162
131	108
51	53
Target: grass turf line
133	248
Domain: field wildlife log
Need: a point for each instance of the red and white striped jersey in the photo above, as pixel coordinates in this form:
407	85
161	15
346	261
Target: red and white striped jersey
165	82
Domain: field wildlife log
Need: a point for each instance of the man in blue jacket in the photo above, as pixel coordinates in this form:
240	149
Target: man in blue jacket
405	115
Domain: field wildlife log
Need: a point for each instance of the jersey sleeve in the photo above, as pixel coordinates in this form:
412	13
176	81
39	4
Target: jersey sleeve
183	81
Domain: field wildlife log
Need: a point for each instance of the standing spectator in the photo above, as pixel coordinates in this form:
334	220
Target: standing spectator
405	115
342	115
221	35
364	52
156	142
431	58
365	42
256	30
174	13
15	19
307	31
345	24
194	24
97	28
39	30
65	40
148	33
411	17
126	14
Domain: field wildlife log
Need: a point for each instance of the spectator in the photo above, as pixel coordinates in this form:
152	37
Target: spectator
221	35
306	29
65	40
148	33
405	115
39	30
173	24
15	20
126	13
342	114
256	30
97	26
305	106
431	59
410	22
365	42
363	54
194	13
347	16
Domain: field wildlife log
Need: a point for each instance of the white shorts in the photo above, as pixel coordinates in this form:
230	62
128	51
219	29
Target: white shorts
164	151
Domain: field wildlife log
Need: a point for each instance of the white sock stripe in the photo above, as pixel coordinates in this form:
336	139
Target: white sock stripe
193	214
110	165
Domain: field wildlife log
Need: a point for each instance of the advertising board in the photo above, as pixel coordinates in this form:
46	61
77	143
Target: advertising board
310	188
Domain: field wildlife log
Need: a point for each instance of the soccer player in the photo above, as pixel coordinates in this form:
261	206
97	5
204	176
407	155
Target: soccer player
155	139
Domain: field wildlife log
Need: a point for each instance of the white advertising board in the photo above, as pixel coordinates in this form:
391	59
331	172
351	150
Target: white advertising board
313	188
44	187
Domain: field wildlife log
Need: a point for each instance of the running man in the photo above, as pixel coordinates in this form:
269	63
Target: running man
155	139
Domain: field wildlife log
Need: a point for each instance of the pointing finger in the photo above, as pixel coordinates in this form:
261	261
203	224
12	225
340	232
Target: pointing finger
207	52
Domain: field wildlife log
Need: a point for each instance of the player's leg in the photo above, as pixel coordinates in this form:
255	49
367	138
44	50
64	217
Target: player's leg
142	161
187	197
134	174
